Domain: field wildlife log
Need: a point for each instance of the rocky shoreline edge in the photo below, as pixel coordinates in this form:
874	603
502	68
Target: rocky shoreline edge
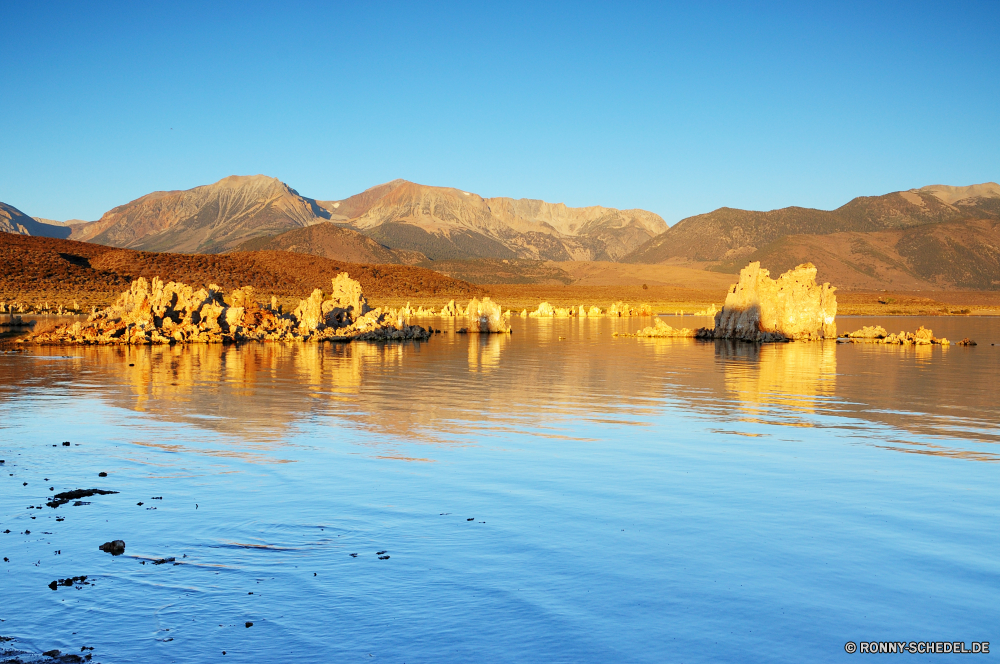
757	309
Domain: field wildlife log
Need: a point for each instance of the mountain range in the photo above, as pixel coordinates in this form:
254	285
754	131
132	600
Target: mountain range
934	237
442	222
937	236
438	222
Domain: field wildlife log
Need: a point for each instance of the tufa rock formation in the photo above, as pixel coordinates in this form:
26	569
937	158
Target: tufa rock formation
878	335
661	330
616	310
759	308
486	317
161	313
544	310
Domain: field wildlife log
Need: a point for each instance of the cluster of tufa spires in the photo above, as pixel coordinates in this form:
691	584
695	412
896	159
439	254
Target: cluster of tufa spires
159	313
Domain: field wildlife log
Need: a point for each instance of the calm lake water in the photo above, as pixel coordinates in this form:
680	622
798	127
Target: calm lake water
558	495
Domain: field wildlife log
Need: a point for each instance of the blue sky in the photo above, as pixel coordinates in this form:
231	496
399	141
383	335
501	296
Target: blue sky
678	109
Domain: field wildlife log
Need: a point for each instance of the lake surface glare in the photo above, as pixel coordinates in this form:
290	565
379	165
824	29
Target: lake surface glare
556	495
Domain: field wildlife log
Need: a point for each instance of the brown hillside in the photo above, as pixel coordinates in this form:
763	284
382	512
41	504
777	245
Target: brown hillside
501	271
955	255
33	268
729	234
333	242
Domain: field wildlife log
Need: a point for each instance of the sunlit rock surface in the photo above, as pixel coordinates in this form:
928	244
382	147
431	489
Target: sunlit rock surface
878	335
486	316
793	307
159	313
544	310
661	329
616	310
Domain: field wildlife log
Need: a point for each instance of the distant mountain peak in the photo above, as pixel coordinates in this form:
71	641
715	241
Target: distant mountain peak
14	221
204	219
951	195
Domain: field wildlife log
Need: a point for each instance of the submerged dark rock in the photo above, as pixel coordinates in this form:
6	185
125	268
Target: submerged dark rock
71	581
114	547
76	494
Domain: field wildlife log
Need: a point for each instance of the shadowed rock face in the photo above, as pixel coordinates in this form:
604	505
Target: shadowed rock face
14	221
161	313
793	307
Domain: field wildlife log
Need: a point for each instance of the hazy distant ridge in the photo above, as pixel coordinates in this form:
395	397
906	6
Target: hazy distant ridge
14	221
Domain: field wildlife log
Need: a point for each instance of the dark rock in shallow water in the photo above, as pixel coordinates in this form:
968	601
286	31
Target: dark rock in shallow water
76	494
71	581
115	547
102	474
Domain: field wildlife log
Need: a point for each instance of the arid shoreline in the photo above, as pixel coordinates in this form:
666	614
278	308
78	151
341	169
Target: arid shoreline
663	299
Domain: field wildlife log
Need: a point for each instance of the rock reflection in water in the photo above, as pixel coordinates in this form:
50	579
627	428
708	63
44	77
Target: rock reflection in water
253	390
485	351
793	377
544	379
